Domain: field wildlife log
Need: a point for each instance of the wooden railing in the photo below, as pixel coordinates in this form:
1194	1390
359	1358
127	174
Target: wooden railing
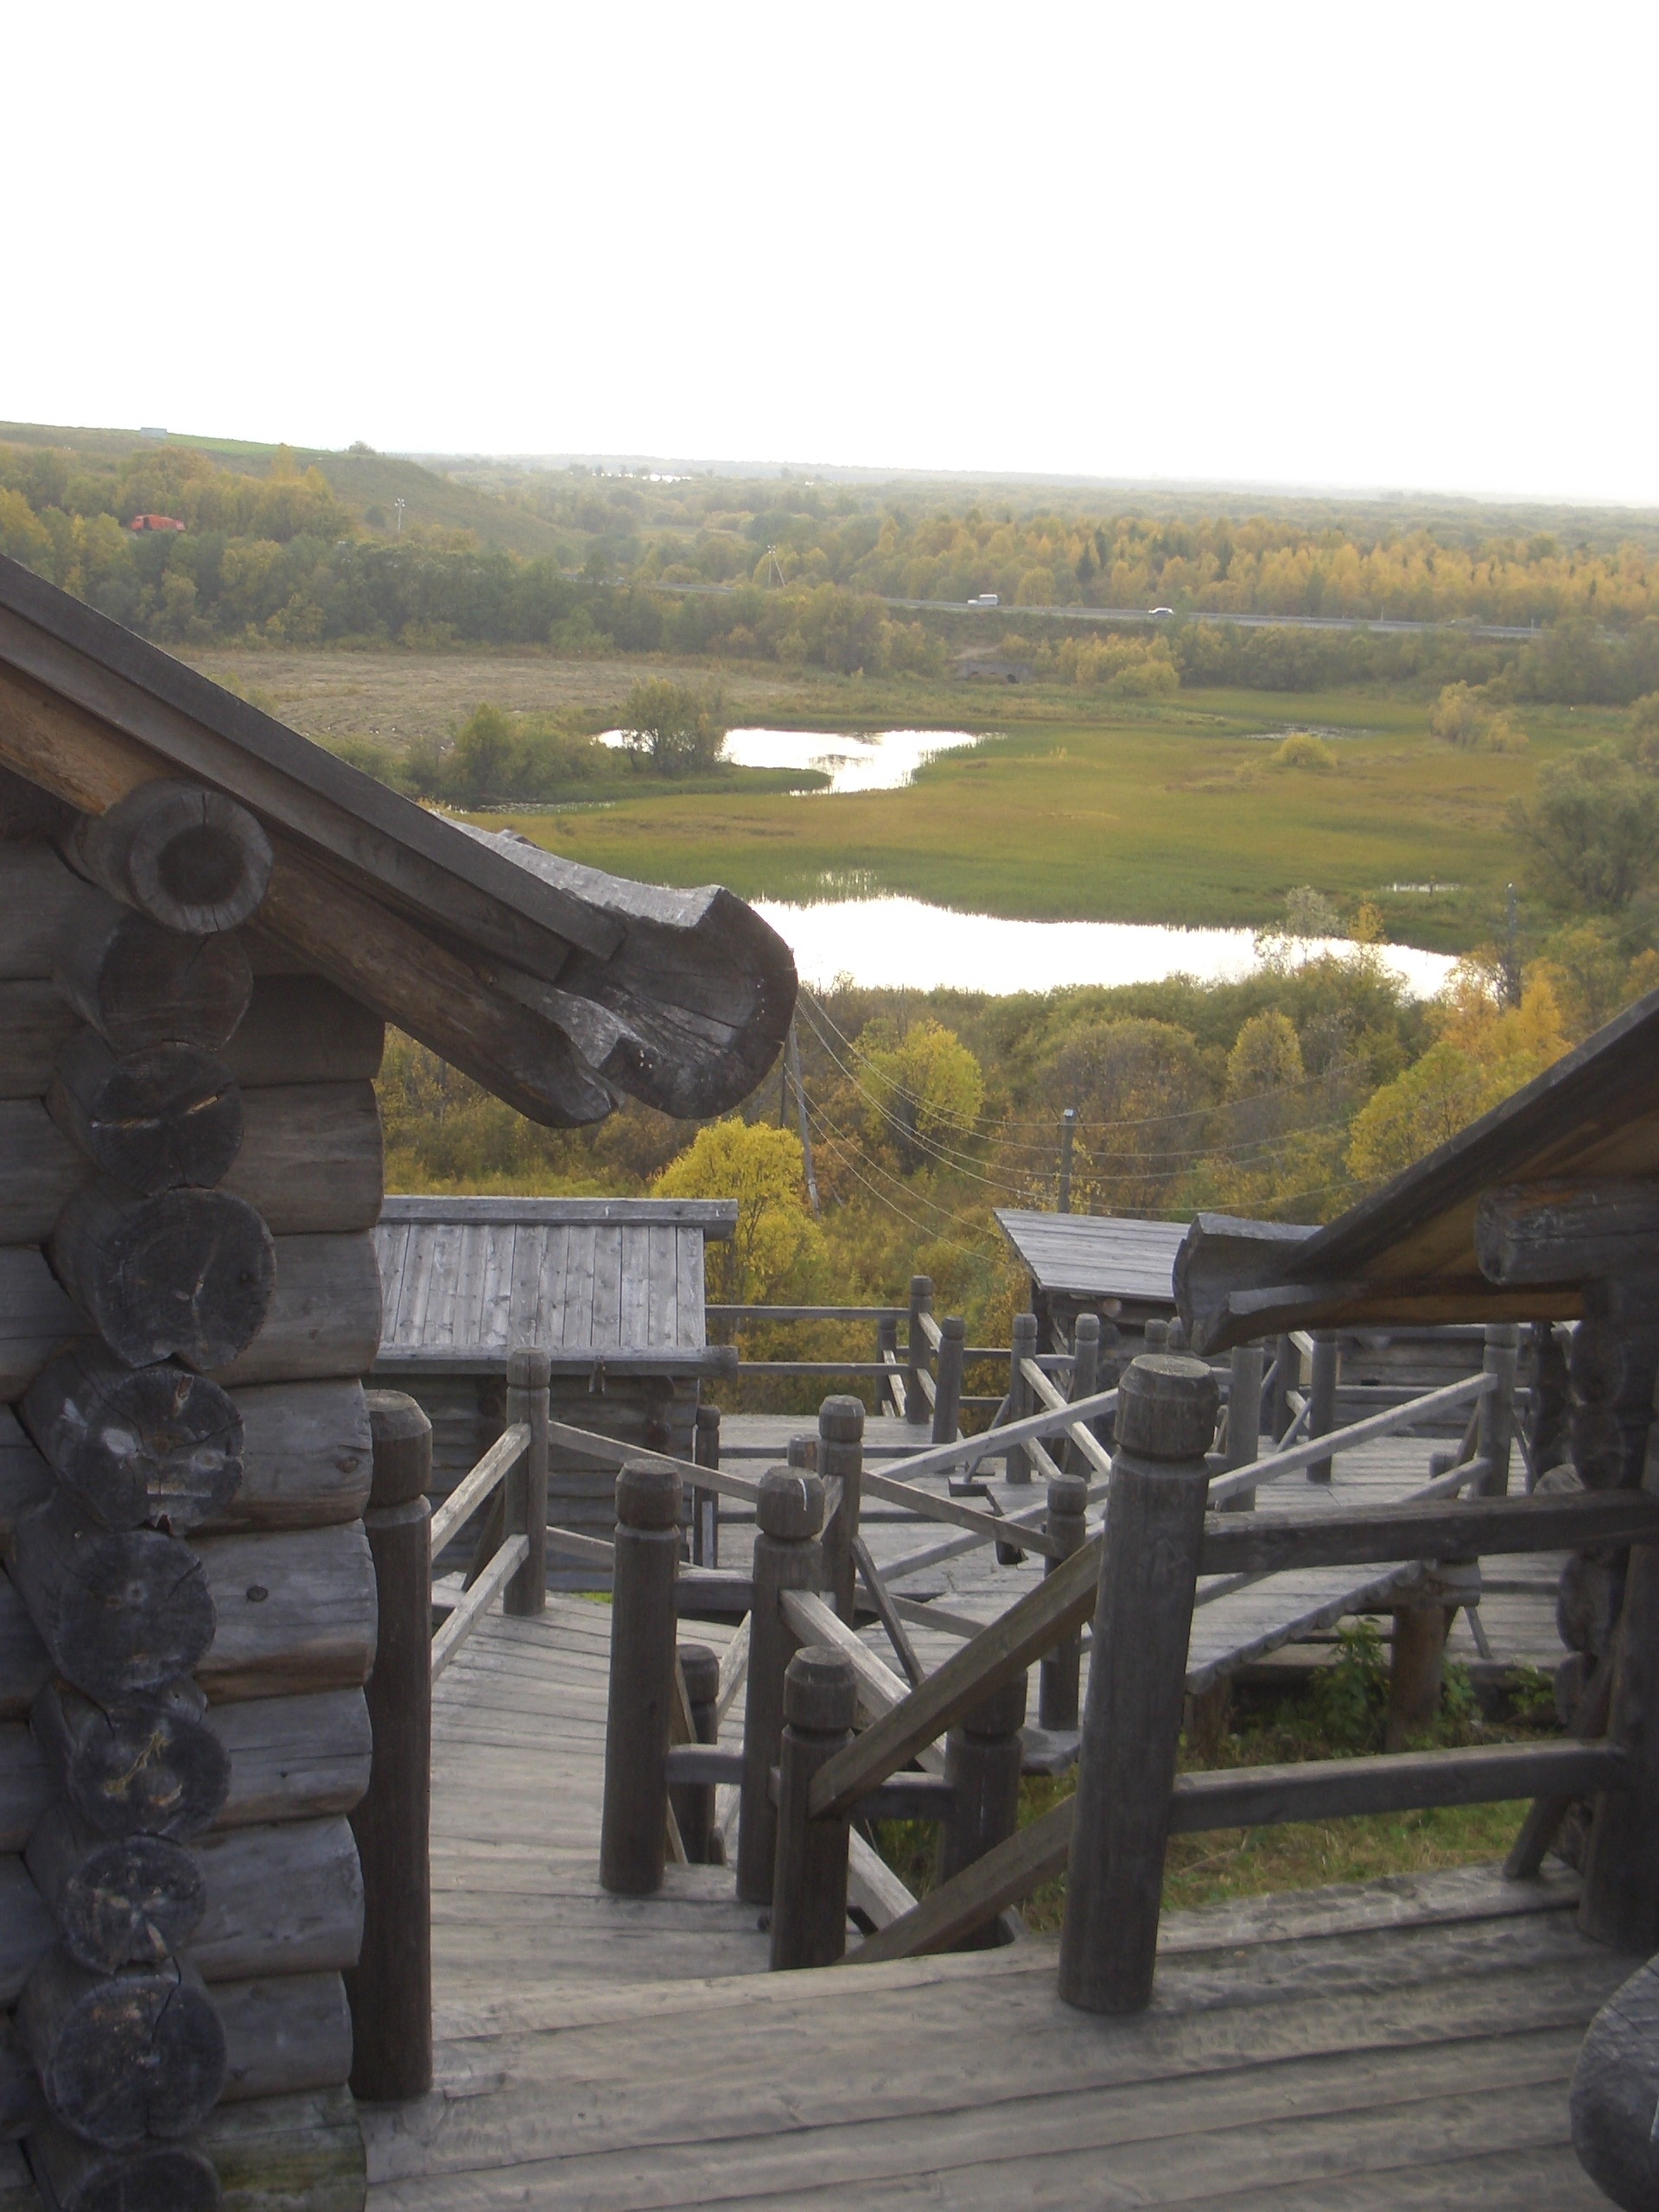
510	1484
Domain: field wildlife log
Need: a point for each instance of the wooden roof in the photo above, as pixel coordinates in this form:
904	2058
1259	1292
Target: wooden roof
557	986
1407	1253
610	1282
1095	1256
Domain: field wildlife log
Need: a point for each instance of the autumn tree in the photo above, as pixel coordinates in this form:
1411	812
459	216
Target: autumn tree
677	727
925	1090
776	1239
1593	829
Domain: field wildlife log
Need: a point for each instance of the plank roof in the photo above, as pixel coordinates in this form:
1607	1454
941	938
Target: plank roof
554	985
1095	1256
611	1283
1407	1253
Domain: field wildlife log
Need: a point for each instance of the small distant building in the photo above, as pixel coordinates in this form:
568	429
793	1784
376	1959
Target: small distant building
1110	1264
993	668
155	522
611	1288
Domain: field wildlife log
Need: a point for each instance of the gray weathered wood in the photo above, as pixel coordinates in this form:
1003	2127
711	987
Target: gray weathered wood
311	1161
694	1803
324	1314
27	814
1340	1789
306	1456
300	1029
39	898
947	1384
137	1445
28	1931
40	1172
121	1611
25	1480
283	2034
1562	1231
1621	1872
36	1025
809	1897
1495	1414
1060	1672
119	1902
1322	1400
841	1460
150	1119
390	1985
276	2153
1023	1346
139	984
1132	1718
295	1612
293	1758
1416	1672
921	1301
1472	1528
156	2178
189	858
186	1274
279	1900
21	2109
25	1785
528	1372
983	1760
125	2057
150	1765
634	1817
1616	2095
37	1317
788	1555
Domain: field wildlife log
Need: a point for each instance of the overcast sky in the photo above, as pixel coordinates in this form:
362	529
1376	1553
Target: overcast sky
1315	245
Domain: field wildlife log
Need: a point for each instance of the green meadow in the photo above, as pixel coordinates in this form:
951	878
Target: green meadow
1172	812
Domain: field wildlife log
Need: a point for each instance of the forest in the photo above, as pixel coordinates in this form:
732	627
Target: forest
275	551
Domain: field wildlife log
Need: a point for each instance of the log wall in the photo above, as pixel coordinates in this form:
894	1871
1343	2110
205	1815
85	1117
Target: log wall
187	1610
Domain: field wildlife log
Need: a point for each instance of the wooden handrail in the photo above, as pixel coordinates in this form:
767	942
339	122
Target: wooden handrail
488	1586
990	1526
878	1689
736	1315
1386	1423
473	1489
1029	1627
1048	1394
1252	1797
610	1453
1476	1527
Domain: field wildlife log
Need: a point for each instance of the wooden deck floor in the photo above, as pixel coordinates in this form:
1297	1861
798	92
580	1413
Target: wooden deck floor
1402	2044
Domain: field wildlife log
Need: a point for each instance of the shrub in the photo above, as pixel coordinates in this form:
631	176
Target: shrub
1301	749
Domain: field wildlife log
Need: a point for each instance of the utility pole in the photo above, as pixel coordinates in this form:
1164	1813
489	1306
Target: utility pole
1068	1132
792	1068
398	505
1512	954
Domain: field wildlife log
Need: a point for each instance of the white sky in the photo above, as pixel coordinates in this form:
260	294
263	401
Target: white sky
1409	245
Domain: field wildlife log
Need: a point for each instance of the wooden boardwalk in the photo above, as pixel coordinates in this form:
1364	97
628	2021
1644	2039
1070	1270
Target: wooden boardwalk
1405	2043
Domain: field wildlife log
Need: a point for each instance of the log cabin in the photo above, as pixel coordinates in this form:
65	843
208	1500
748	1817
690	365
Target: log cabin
206	922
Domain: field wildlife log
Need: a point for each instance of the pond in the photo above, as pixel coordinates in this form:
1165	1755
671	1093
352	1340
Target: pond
881	761
904	944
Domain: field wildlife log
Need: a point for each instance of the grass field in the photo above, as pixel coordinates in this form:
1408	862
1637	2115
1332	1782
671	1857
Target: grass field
1075	807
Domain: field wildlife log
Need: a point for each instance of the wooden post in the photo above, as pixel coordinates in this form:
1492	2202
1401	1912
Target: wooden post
841	1456
1550	1398
1620	1901
1023	1346
886	1340
983	1756
1085	1367
705	1504
1416	1672
528	1374
947	1384
391	1986
1243	1420
1132	1722
1285	1365
1061	1669
694	1801
915	1350
809	1894
1322	1400
1495	1427
633	1823
787	1556
1068	1137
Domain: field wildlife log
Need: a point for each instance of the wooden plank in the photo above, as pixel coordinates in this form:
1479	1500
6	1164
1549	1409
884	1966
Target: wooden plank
492	1326
633	1290
928	1506
489	1585
1266	1545
878	1689
467	1495
605	1326
581	1269
611	1454
716	1218
1390	1422
661	1287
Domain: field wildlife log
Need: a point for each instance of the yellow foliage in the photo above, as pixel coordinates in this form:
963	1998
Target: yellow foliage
1301	749
763	1169
927	1090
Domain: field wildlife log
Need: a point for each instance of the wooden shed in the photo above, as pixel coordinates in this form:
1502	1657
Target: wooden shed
611	1288
205	923
1115	1265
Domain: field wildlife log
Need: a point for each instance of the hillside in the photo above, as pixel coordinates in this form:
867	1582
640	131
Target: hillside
369	482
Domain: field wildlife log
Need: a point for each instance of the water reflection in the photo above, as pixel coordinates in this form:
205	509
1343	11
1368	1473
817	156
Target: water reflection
882	761
904	944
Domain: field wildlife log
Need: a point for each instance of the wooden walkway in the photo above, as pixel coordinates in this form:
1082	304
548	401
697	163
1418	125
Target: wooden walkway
1405	2043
